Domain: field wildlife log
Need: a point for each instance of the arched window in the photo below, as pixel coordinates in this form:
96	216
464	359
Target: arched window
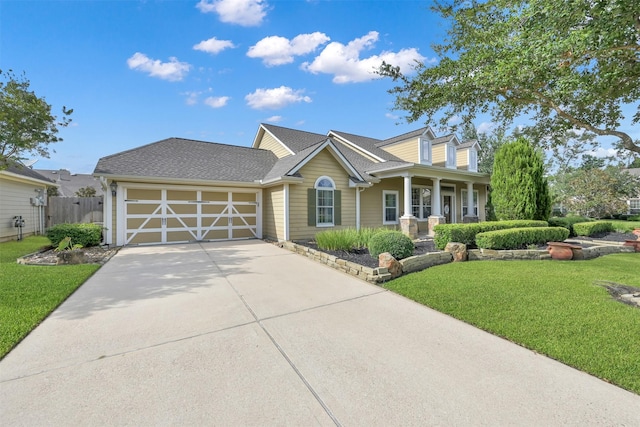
325	201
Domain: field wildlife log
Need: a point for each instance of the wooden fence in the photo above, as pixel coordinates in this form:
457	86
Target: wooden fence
62	210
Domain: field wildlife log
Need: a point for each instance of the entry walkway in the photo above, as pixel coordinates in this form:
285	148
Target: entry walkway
245	333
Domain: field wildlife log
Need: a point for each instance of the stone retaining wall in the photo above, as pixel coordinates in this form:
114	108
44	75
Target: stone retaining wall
422	262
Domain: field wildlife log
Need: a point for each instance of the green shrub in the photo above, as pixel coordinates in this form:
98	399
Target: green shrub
80	234
394	242
567	222
633	218
466	233
591	228
517	238
348	239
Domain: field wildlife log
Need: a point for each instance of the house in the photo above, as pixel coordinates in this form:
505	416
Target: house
23	195
289	185
69	183
633	204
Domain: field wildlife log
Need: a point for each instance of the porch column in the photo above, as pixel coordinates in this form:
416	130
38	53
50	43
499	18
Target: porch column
436	212
408	222
470	216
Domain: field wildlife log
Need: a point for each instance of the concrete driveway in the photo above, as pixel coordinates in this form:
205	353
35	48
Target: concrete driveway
245	333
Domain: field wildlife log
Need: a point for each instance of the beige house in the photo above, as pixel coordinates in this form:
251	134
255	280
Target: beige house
23	196
289	185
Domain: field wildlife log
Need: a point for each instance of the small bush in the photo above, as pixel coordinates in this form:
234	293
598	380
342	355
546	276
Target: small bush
80	234
633	218
394	242
517	238
591	228
567	222
466	233
348	239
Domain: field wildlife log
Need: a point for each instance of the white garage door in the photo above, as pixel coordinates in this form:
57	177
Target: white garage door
158	215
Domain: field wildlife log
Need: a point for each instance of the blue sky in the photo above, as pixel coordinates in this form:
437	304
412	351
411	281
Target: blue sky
136	72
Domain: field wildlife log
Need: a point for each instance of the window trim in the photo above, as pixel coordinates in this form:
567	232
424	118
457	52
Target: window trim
333	201
472	167
450	156
463	202
384	207
425	160
422	205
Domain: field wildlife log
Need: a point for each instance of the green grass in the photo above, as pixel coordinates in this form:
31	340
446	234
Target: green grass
346	239
553	308
29	293
623	226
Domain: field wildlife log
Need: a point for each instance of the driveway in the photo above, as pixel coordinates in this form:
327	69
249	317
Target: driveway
246	333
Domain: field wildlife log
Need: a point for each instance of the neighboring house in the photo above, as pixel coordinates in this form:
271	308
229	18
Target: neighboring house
69	184
633	204
289	185
23	195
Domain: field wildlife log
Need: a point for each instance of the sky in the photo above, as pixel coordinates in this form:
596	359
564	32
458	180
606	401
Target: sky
136	72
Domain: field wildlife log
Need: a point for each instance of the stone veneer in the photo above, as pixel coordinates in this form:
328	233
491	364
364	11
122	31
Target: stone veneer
422	262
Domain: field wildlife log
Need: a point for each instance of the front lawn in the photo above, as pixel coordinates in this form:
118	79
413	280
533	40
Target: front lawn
28	293
554	308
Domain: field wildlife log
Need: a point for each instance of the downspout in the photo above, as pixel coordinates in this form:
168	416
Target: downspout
107	221
285	204
358	191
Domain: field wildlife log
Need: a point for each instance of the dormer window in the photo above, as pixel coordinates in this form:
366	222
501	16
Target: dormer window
473	160
425	151
451	156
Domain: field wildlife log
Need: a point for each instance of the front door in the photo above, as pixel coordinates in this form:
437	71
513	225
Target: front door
447	208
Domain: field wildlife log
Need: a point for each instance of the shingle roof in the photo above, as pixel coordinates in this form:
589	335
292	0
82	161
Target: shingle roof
296	140
442	139
367	144
20	169
70	183
402	137
467	144
187	159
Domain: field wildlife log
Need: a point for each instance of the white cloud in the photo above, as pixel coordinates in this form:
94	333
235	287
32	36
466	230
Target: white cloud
274	119
248	13
213	45
275	98
603	152
454	120
192	97
173	70
391	116
276	50
485	127
343	61
217	101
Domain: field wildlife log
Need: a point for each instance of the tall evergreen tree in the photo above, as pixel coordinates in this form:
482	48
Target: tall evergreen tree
519	188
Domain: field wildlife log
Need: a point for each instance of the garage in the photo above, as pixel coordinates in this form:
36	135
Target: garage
175	214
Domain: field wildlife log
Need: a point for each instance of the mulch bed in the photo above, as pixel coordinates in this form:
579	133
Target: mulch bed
93	254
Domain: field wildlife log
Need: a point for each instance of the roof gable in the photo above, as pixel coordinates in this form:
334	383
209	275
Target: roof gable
425	131
293	140
364	145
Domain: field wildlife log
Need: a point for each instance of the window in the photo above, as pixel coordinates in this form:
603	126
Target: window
451	156
473	160
324	201
421	202
425	151
634	206
389	207
464	203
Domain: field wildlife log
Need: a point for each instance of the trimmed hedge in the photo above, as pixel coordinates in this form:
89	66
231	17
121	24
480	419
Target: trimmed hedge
394	242
591	228
466	233
81	234
567	222
517	238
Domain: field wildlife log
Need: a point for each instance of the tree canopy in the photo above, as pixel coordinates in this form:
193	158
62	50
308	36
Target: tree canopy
562	64
26	123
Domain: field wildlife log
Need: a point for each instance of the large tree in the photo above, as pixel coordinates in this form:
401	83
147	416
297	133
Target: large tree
26	123
562	64
519	189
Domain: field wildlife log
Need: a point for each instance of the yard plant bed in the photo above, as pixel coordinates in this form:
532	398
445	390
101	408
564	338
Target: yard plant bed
362	256
49	256
561	310
28	293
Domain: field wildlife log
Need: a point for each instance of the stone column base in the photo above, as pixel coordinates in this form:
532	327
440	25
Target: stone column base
469	219
435	220
409	226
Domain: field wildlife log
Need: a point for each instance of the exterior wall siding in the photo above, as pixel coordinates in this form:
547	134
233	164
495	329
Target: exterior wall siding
16	201
462	159
407	151
268	142
324	164
371	202
273	213
438	155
